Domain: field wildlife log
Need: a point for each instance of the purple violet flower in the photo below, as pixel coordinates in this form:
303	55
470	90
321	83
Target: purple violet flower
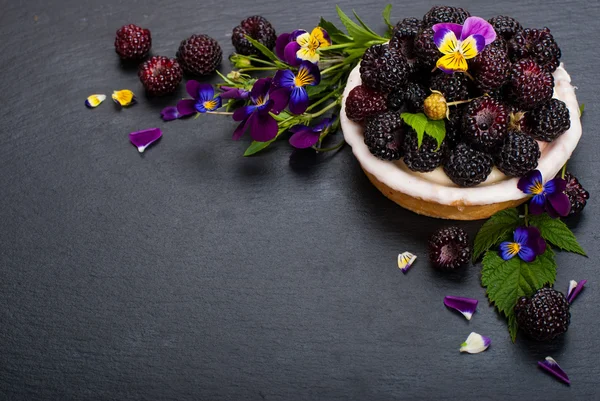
299	45
550	196
304	137
203	99
256	116
466	306
552	367
308	74
169	113
528	244
234	93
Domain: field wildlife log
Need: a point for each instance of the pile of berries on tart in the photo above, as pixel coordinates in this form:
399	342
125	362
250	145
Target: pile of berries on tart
490	82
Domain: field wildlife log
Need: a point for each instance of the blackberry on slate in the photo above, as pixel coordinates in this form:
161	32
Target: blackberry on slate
439	14
505	26
491	68
160	75
518	155
453	86
467	167
133	42
578	196
199	55
384	135
426	158
425	48
485	123
529	85
549	121
363	102
545	316
383	68
536	44
258	28
408	27
449	248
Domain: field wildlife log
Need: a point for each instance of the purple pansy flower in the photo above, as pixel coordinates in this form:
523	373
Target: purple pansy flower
550	196
255	116
528	244
300	45
304	137
169	113
203	99
234	93
308	74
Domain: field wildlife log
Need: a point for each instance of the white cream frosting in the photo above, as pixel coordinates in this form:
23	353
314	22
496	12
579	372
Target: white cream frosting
436	187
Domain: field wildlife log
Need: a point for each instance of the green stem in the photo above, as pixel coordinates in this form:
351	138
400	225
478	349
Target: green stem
326	108
339	145
261	61
312	106
526	215
563	171
336	47
456	103
258	69
332	68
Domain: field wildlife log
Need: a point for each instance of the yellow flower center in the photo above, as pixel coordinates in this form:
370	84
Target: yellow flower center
537	188
260	101
514	248
210	104
303	78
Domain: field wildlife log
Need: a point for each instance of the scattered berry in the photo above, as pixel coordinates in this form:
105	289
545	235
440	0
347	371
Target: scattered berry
383	68
578	196
200	55
363	102
505	26
439	14
549	121
425	49
453	86
435	106
426	158
412	96
449	248
133	42
491	68
518	155
384	135
485	123
467	167
545	316
537	44
160	75
529	85
258	28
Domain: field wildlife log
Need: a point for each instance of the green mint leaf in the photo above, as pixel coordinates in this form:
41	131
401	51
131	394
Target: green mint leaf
581	109
494	230
556	232
387	13
365	26
336	35
263	49
357	32
437	130
513	327
256	147
418	122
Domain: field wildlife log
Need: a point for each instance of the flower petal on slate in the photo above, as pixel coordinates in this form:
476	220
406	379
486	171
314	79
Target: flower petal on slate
466	306
405	261
169	113
94	100
124	97
143	139
550	366
475	344
574	289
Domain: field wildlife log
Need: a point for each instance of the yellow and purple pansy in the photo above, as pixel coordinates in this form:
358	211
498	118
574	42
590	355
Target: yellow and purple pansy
300	45
308	74
549	196
527	244
203	99
460	43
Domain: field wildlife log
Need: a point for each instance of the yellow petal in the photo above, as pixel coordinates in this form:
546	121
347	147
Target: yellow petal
303	39
308	54
94	100
449	43
468	48
124	97
453	62
318	35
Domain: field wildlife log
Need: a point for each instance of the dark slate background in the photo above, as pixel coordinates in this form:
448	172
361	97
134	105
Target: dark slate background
193	273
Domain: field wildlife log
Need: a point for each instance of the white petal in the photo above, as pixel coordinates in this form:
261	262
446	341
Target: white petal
475	344
405	261
572	285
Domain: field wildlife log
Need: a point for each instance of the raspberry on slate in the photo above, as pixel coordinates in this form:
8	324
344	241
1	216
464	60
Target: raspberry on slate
549	121
259	29
537	44
491	68
453	86
544	316
384	135
425	48
426	158
383	68
160	75
363	102
485	123
199	55
411	96
133	42
529	85
578	196
505	26
439	14
467	167
449	248
518	155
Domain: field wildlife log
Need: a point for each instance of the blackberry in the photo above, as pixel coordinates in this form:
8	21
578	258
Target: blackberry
199	55
425	49
485	123
453	86
426	158
454	131
363	102
467	167
383	68
408	27
529	85
160	75
505	26
439	14
549	121
258	28
133	42
411	96
384	135
491	68
536	44
578	196
544	316
449	248
404	43
518	155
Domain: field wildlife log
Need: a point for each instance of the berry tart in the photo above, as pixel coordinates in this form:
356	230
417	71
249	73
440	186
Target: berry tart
446	117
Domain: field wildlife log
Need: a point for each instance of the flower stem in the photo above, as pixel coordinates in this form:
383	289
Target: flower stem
258	69
312	106
261	61
456	103
336	47
222	113
563	171
333	68
526	215
339	145
326	108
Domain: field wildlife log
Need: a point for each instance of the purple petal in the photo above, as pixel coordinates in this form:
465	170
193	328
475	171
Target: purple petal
506	250
284	79
193	88
527	254
241	129
169	113
243	113
560	203
234	93
555	185
537	204
206	92
466	306
294	35
440	34
280	44
535	240
304	139
298	100
186	107
529	180
290	54
479	43
521	235
575	290
280	98
324	124
456	28
263	127
260	89
478	26
143	139
552	367
298	128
